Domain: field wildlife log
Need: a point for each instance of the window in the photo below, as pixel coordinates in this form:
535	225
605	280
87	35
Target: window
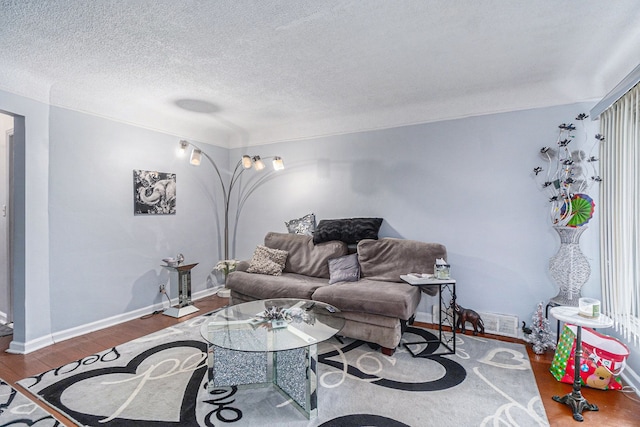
620	214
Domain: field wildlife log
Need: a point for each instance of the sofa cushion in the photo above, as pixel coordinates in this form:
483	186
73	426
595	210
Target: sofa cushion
391	299
386	259
348	230
267	261
304	257
287	285
344	269
382	330
305	225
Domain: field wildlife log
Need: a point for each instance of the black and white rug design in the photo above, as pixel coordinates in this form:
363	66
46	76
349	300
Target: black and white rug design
160	380
6	330
18	410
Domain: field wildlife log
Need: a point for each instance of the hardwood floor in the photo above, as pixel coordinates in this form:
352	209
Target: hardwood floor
616	408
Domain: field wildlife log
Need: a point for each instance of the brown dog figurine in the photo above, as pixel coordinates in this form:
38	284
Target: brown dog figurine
465	315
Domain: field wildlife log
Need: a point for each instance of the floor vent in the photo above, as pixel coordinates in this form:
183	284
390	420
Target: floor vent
498	324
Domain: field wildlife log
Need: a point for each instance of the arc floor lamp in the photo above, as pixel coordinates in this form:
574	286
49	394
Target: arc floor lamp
245	163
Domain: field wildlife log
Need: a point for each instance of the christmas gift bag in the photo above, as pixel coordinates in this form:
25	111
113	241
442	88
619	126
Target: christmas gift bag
603	359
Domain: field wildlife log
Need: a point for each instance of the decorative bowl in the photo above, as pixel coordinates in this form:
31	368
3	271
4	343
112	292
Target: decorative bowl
171	262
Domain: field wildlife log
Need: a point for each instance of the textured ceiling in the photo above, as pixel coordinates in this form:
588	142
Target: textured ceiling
237	73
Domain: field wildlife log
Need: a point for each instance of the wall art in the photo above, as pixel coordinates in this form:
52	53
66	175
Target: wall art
154	193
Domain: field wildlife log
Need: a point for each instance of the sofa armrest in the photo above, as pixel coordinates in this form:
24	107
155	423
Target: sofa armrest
242	265
387	258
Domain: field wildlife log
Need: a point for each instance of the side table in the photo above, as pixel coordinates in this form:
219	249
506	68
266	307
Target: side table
546	316
444	318
184	306
575	400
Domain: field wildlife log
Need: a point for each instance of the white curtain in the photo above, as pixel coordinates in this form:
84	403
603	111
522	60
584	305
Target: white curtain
620	214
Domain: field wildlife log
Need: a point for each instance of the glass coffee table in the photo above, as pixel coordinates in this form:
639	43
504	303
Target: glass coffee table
271	342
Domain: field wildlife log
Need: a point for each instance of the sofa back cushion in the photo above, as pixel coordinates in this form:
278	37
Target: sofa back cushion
348	230
304	257
386	259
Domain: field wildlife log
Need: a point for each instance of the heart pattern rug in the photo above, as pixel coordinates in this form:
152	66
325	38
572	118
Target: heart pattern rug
18	410
160	380
5	330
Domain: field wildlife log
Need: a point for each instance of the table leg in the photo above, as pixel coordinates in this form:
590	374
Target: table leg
546	316
234	368
296	378
453	317
449	344
292	372
575	400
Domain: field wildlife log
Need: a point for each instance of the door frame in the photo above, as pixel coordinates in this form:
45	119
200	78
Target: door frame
7	212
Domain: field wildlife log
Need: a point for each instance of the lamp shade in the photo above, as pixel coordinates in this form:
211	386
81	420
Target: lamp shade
183	148
246	162
258	164
278	163
196	156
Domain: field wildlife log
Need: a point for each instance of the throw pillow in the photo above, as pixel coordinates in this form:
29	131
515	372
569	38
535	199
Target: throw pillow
305	225
349	230
267	261
344	269
304	257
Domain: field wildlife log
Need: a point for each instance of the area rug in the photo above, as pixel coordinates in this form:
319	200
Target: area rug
18	410
160	380
5	330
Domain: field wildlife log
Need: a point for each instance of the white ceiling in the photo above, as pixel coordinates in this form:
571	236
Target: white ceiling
238	72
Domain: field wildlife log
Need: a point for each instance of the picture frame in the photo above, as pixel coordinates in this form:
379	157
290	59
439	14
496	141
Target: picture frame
154	193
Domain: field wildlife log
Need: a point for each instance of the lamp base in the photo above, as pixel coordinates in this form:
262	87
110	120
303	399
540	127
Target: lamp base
180	311
224	293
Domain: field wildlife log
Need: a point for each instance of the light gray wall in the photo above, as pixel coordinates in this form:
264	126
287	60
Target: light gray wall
104	260
31	222
465	183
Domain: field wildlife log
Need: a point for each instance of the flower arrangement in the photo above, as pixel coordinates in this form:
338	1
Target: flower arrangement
275	313
226	266
293	314
570	172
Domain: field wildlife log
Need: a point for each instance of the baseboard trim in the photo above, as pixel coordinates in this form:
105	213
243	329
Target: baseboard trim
425	317
16	347
19	347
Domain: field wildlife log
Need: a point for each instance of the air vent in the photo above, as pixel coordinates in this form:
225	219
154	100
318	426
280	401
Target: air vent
498	324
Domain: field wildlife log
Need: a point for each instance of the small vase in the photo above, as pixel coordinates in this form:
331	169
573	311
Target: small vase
223	292
569	267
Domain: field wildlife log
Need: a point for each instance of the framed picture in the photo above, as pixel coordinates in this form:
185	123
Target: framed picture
154	193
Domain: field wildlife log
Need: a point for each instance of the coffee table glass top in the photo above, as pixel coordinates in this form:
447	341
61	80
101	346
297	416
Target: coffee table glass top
272	325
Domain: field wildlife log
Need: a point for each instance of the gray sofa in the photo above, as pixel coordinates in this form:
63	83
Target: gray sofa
376	308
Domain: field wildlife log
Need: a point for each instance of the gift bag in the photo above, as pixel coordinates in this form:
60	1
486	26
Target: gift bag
603	359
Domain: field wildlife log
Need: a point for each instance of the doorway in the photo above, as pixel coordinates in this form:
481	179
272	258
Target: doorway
6	291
